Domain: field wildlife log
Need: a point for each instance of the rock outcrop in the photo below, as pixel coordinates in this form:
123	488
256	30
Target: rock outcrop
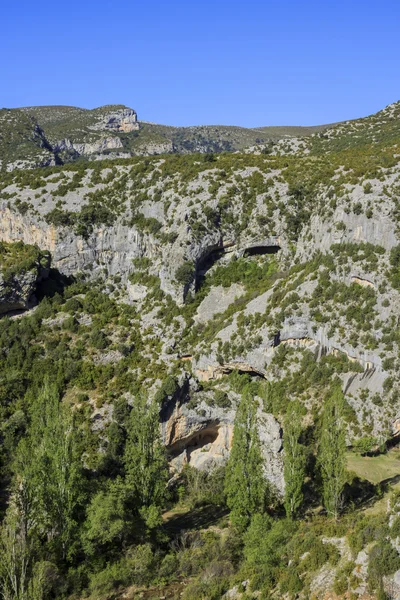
18	286
16	291
124	120
87	148
202	436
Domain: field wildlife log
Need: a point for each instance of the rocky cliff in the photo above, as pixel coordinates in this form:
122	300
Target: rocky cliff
22	268
254	263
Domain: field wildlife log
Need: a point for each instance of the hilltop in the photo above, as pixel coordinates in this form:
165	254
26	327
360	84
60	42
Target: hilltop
55	135
49	135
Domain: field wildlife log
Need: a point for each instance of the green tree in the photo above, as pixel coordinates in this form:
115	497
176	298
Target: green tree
15	556
185	273
146	465
48	484
245	485
265	547
294	461
106	525
332	453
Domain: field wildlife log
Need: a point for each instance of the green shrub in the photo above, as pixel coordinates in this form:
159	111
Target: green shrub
221	399
365	444
185	273
395	267
383	560
98	339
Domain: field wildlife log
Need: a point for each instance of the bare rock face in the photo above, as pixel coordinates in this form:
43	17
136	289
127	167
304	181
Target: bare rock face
202	437
217	301
115	246
17	290
124	120
270	434
105	143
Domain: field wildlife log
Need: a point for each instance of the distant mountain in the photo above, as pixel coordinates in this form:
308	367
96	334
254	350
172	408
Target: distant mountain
50	135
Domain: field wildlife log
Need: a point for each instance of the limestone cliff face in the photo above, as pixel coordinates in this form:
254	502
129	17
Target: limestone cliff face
380	229
202	436
107	249
17	289
105	123
178	222
87	148
110	248
124	119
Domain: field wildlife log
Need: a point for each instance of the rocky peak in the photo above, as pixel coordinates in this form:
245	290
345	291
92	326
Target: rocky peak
118	119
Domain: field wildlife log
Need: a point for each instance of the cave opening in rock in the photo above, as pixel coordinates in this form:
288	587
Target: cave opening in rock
251	373
205	265
196	441
261	250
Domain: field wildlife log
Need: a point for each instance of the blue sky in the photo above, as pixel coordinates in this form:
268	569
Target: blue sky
253	63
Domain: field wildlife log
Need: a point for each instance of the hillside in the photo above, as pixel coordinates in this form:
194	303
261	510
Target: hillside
200	394
50	135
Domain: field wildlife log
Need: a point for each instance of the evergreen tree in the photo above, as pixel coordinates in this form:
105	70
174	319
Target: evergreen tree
332	453
245	486
294	461
146	465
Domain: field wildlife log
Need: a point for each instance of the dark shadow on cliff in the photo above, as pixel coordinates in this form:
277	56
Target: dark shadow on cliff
261	250
54	283
205	264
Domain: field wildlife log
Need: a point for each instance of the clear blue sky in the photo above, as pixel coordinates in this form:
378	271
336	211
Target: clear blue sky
253	63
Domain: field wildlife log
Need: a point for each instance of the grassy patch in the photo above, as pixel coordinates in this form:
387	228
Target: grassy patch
375	468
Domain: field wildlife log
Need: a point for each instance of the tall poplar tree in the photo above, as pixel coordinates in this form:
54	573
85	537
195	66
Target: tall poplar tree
332	453
294	461
55	468
245	485
146	465
45	500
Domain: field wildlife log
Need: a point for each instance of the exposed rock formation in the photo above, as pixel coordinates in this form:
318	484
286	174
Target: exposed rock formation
202	437
17	289
105	143
124	120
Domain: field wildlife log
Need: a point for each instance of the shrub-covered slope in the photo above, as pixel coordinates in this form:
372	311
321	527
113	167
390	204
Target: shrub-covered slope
226	323
46	135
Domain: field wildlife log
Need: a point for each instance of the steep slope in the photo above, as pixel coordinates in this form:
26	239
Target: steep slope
200	280
380	128
22	142
325	229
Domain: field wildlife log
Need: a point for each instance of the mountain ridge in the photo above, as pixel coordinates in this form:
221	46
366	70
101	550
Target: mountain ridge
49	135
